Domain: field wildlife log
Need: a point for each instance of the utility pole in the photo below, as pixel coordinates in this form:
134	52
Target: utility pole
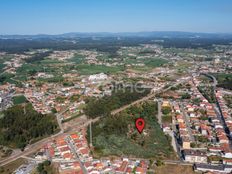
24	108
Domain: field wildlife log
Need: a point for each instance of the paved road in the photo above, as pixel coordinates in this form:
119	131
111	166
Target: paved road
29	149
58	117
187	121
177	147
159	115
212	77
32	159
83	169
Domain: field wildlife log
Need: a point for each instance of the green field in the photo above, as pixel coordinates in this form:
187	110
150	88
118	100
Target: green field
141	68
156	62
78	59
117	135
94	69
149	64
19	99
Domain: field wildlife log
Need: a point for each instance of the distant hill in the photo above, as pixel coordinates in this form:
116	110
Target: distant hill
158	34
111	42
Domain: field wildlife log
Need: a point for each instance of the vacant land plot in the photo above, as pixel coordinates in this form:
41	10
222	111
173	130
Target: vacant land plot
117	135
175	169
11	167
19	99
94	69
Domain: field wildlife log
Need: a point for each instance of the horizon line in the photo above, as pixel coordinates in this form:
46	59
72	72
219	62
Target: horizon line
108	32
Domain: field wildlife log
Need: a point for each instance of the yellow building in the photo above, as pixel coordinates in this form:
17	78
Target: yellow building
186	143
165	103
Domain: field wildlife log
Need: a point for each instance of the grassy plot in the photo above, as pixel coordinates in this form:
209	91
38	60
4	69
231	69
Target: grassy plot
141	68
167	119
157	62
150	64
117	135
30	69
78	59
183	66
19	99
172	168
50	61
71	118
55	79
11	167
94	69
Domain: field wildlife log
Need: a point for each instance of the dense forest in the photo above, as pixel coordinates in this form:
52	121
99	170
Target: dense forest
108	44
38	57
19	127
103	106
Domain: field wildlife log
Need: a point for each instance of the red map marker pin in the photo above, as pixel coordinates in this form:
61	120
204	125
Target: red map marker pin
140	124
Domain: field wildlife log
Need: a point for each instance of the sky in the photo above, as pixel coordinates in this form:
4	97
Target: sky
63	16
